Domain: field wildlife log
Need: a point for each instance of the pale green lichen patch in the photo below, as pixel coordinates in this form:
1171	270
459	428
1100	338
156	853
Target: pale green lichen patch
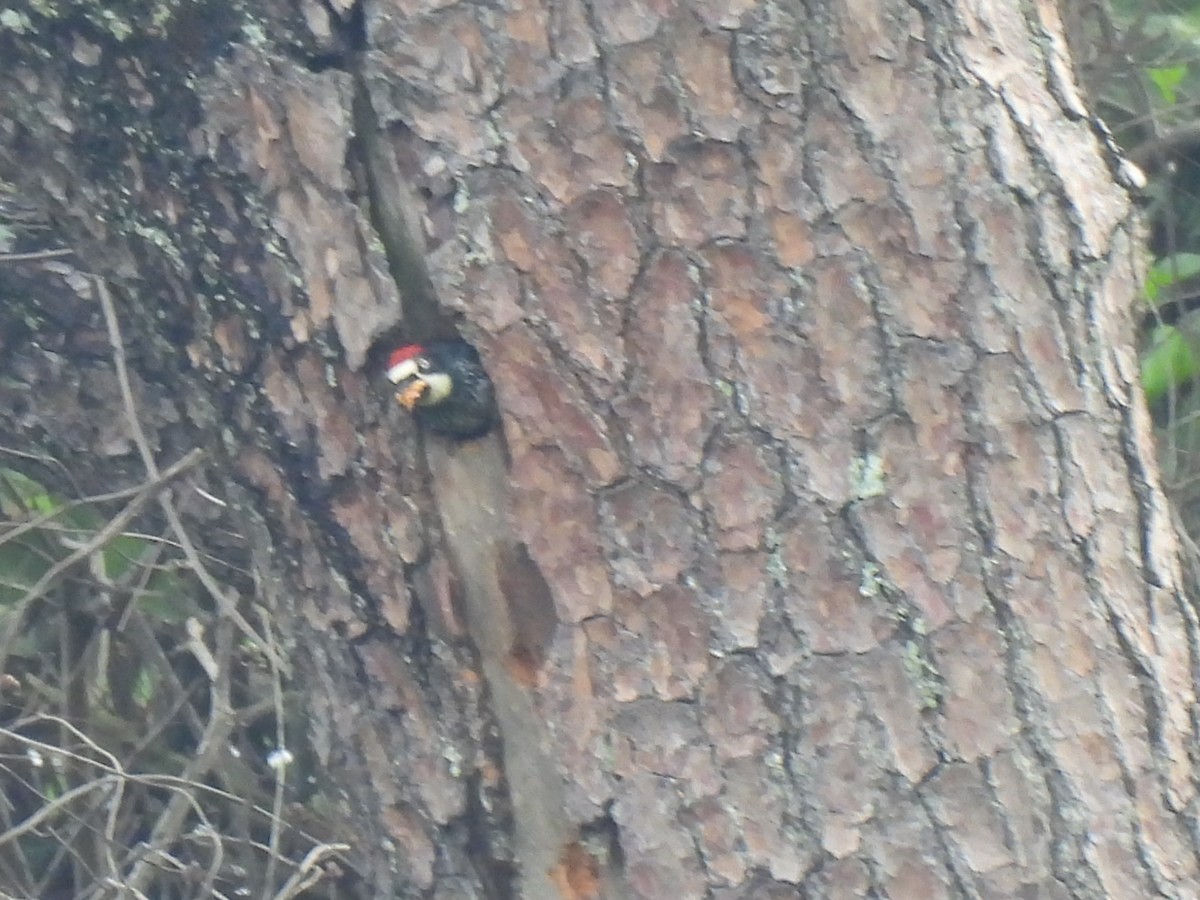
255	35
462	197
871	581
867	476
777	569
118	27
106	16
924	675
12	20
160	239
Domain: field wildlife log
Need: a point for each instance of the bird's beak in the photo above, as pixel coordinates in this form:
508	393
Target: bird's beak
411	394
411	386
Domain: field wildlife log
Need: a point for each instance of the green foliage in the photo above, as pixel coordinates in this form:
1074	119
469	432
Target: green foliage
143	687
26	556
47	529
1142	72
1171	355
1170	361
1168	80
113	678
1170	270
1145	81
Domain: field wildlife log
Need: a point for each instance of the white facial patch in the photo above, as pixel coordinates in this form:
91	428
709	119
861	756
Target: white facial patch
402	371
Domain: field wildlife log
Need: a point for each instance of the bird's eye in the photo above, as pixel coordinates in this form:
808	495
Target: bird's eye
423	364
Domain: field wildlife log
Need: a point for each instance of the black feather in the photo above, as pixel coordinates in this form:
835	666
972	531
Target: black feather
470	409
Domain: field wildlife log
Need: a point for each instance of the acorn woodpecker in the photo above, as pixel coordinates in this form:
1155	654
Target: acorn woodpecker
443	384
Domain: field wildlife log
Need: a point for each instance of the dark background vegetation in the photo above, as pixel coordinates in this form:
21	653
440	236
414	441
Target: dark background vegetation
1139	61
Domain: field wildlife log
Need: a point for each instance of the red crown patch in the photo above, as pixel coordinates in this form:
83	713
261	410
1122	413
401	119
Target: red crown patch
404	353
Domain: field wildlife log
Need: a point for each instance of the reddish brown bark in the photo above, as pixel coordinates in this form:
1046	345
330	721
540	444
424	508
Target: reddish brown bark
824	553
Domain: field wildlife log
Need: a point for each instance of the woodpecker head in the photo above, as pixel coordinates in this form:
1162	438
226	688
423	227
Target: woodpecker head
412	370
443	384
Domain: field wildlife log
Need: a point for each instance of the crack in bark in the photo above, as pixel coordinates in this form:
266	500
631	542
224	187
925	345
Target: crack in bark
469	488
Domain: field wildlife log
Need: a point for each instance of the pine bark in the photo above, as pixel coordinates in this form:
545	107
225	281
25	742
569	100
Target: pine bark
823	551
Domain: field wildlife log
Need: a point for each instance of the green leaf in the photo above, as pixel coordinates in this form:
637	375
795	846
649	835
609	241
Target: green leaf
29	493
22	563
122	553
143	688
1170	361
1169	270
1167	79
166	599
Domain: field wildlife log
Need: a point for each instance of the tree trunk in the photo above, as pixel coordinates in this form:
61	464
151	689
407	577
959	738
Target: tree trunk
822	552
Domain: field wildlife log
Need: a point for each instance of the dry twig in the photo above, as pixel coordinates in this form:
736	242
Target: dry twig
226	605
115	525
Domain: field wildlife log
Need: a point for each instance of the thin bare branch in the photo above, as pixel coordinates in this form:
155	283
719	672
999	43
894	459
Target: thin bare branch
147	778
41	521
280	769
226	605
213	745
36	255
308	872
115	525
